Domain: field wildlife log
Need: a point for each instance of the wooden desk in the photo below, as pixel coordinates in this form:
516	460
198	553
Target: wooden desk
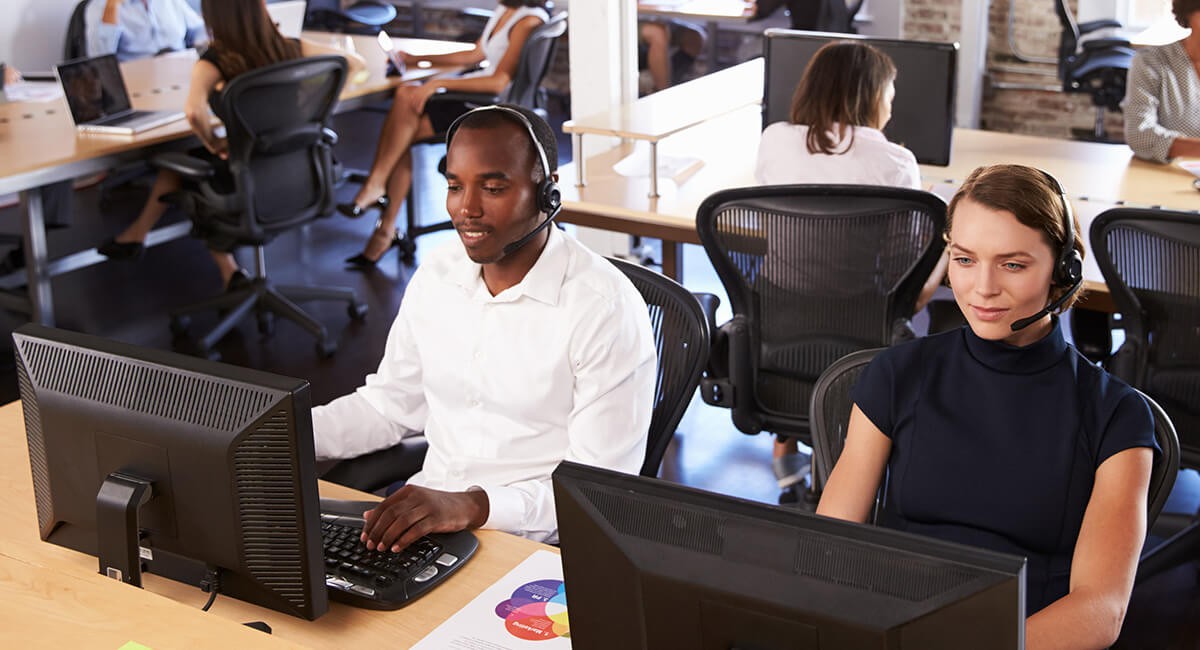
670	111
45	586
1097	176
39	145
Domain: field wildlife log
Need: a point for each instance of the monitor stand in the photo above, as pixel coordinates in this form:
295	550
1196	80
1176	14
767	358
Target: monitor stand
118	503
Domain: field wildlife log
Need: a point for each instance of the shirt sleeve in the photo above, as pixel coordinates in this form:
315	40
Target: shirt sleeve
910	172
615	364
1147	138
875	392
102	38
197	33
390	404
1130	425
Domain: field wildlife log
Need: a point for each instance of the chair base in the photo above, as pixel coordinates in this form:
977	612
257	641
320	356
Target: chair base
267	301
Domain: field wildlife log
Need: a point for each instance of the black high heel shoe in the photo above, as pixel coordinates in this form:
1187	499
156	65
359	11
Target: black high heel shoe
362	262
353	210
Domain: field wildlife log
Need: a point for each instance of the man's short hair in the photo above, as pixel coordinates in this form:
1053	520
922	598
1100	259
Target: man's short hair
488	119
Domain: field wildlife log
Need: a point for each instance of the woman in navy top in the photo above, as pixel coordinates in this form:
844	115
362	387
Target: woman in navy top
1009	439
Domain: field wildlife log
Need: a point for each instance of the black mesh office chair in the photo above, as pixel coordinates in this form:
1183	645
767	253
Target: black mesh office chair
813	273
1151	263
830	412
681	337
524	90
831	405
75	43
1096	66
281	177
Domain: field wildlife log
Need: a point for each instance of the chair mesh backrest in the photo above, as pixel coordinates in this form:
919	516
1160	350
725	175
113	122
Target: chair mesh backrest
1151	262
830	415
819	272
535	61
681	338
282	181
1166	464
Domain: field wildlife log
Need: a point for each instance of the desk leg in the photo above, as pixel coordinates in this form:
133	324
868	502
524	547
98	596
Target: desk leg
654	170
41	303
577	154
672	261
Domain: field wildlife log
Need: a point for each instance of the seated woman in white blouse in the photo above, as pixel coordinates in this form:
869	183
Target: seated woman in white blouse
833	136
1162	95
833	133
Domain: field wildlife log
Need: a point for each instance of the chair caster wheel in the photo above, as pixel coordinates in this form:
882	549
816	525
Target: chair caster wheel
357	311
325	349
179	325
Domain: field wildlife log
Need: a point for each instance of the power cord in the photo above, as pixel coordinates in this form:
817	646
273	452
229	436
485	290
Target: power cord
211	584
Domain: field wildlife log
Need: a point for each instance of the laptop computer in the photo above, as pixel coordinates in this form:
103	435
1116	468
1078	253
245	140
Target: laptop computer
288	16
99	102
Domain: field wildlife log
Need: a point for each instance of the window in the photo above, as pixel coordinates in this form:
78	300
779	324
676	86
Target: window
1134	14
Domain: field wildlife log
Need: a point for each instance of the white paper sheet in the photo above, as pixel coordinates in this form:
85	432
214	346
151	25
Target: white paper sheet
33	91
527	608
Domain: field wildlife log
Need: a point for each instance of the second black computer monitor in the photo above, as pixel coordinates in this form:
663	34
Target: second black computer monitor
923	110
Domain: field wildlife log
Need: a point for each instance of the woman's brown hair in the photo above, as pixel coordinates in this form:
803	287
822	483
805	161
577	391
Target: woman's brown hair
842	87
244	36
1032	196
1183	10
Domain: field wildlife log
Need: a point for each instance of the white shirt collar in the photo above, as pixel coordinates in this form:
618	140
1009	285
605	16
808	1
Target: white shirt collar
543	282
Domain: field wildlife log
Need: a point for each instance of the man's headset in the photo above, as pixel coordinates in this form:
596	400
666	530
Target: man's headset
549	198
1068	269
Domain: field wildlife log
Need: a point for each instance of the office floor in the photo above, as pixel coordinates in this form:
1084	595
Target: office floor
129	301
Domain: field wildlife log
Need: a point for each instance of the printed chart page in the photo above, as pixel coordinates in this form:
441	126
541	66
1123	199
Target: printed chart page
527	608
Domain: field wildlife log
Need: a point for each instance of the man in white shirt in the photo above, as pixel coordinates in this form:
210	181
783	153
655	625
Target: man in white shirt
512	351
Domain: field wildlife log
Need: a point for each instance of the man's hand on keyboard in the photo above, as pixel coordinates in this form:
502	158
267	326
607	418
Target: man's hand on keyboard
413	511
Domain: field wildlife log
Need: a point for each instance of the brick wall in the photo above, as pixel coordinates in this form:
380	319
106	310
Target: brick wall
1039	107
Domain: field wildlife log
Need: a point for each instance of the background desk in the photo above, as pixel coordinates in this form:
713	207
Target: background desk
39	145
55	586
1096	176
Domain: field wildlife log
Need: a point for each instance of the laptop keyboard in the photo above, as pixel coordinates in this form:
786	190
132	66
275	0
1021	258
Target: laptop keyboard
383	579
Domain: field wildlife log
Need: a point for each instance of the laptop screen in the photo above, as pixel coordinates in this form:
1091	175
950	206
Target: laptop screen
94	88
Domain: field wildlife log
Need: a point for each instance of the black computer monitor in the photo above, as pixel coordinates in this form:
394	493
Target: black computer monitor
183	467
923	110
649	564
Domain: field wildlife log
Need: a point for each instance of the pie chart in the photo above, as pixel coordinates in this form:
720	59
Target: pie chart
537	611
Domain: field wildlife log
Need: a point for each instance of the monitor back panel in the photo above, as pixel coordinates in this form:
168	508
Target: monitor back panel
923	110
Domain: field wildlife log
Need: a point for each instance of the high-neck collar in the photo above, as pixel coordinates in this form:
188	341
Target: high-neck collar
1010	359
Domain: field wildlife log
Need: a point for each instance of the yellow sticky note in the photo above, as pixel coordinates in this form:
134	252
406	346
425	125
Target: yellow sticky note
133	645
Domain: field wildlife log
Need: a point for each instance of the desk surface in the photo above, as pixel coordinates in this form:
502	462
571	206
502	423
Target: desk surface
56	596
39	142
1096	176
674	109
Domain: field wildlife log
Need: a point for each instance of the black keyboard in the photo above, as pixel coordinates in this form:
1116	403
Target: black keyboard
382	579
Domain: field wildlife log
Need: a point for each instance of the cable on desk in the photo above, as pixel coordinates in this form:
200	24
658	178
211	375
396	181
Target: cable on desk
211	584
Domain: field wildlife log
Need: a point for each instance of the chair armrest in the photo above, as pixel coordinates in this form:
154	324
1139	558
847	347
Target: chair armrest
1099	44
281	140
475	99
708	304
1092	25
184	165
331	136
